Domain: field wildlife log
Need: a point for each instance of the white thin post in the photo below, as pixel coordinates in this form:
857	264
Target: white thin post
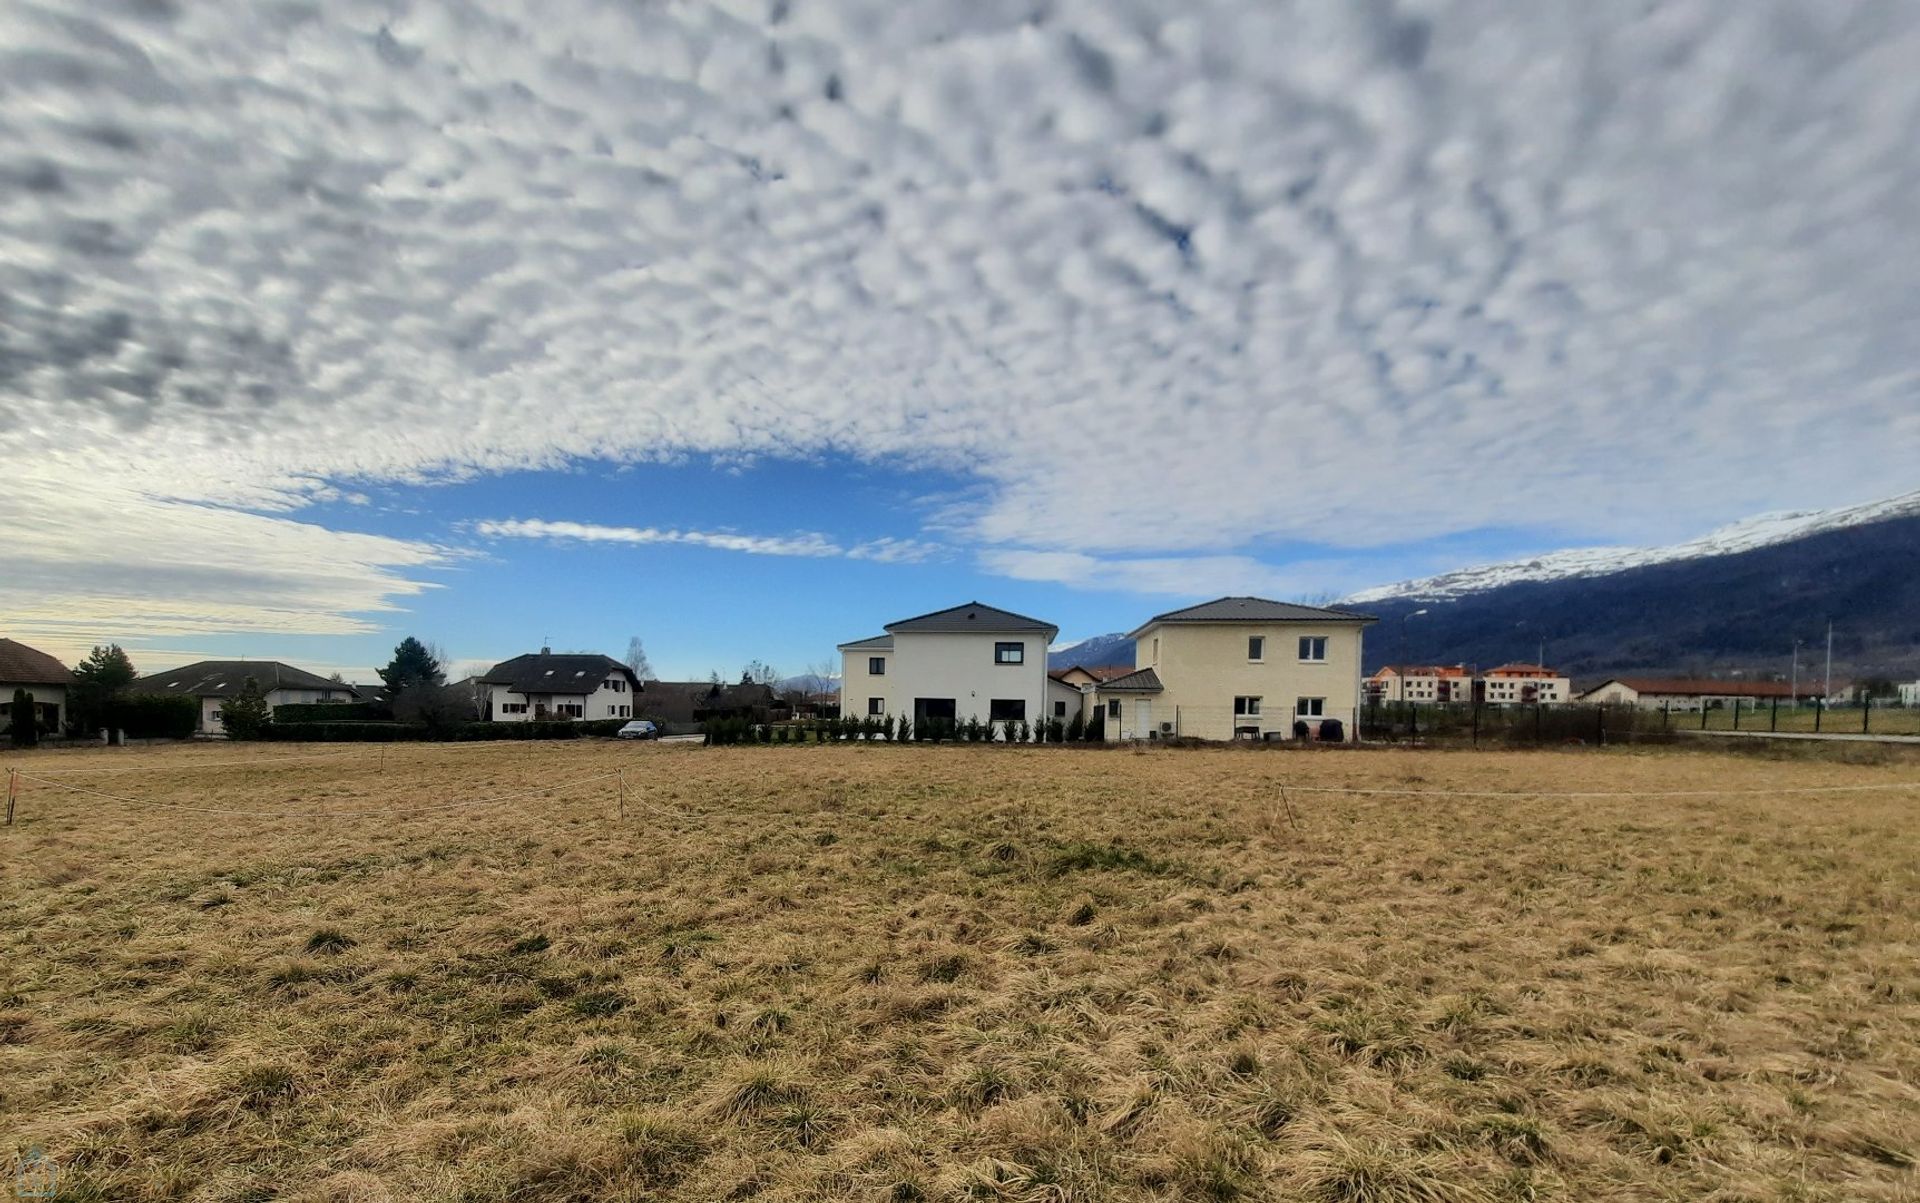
623	793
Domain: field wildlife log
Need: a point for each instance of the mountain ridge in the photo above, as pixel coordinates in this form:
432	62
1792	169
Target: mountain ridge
1749	534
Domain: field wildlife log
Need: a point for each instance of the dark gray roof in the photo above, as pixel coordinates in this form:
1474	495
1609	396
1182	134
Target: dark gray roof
226	678
563	673
23	665
967	619
879	643
1255	609
1144	681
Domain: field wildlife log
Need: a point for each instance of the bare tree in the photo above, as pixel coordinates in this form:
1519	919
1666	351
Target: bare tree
819	678
638	662
757	673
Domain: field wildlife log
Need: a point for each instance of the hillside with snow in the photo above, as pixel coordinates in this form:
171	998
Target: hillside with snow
1748	535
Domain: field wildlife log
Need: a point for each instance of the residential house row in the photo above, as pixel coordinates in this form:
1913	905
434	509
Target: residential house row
1237	667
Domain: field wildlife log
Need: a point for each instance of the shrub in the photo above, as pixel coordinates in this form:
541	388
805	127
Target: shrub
906	729
152	714
1097	728
246	714
1057	731
1077	728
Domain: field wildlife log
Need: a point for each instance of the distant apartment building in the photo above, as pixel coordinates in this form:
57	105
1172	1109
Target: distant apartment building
1429	684
1524	685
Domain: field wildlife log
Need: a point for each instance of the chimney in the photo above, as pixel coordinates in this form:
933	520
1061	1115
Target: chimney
546	651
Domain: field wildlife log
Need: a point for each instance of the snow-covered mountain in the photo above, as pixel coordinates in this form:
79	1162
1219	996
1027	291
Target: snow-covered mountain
1748	535
1096	652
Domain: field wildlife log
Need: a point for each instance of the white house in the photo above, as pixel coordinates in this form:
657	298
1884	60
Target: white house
1690	693
971	661
45	679
544	686
1239	668
214	681
1910	694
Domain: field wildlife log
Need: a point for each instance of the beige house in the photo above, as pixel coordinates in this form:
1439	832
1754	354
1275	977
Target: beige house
1239	668
43	677
1074	690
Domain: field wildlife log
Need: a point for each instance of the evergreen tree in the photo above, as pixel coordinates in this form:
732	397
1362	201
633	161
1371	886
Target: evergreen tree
25	719
246	713
413	665
97	680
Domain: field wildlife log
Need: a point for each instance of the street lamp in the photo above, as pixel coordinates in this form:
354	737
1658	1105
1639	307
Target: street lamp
1403	651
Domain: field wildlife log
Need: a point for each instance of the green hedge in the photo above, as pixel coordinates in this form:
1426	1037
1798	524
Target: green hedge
333	712
153	716
413	732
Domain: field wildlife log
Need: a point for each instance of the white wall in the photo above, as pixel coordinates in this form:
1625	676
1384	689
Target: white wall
1066	695
612	698
42	695
857	685
962	667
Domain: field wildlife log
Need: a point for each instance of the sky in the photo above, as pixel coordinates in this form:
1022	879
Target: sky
747	326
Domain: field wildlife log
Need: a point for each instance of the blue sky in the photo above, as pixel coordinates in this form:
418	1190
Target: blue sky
747	325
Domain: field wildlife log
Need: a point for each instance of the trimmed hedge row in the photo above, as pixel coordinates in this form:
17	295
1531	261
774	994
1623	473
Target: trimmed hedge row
417	732
153	716
333	712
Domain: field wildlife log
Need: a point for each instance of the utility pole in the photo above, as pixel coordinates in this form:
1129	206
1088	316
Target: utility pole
1827	690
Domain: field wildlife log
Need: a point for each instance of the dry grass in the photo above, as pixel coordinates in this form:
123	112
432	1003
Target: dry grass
966	973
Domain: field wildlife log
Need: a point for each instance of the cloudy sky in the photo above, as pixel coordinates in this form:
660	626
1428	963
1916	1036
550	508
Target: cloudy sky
747	325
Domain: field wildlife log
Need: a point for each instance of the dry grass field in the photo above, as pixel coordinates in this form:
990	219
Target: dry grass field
963	973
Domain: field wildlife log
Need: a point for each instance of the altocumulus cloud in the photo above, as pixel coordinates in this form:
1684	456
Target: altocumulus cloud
1165	280
809	544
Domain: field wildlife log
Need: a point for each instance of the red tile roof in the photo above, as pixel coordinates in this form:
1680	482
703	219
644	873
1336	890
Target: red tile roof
1701	686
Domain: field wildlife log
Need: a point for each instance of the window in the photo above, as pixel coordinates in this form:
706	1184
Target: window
1156	650
1059	710
876	705
513	707
1007	710
1113	709
616	684
876	666
1246	706
570	709
1009	653
1313	647
1256	647
1310	707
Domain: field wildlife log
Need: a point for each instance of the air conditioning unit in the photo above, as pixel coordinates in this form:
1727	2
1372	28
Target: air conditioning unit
1166	728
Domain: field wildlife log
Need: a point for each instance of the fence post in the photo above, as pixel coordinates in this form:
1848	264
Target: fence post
1866	713
1600	725
1819	710
1476	722
623	793
1413	724
1703	714
1773	720
1736	714
13	790
1536	723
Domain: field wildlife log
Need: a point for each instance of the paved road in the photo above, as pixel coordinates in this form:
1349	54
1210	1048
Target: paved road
1824	736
